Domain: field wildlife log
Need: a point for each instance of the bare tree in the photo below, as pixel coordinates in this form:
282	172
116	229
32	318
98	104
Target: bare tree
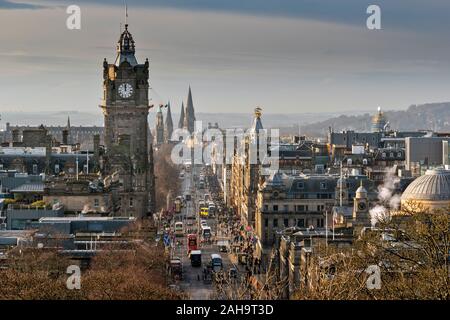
411	251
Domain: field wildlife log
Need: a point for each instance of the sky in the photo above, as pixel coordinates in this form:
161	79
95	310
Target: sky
287	56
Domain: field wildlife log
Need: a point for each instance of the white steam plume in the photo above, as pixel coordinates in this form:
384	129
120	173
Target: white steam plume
387	199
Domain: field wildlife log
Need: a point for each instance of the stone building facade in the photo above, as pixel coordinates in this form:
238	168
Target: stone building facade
125	106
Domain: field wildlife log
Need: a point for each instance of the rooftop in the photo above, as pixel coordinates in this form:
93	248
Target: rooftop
434	185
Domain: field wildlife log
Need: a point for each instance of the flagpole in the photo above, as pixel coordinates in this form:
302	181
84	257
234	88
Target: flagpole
333	226
326	227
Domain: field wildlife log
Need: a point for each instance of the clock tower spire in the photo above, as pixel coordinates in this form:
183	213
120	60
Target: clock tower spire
125	107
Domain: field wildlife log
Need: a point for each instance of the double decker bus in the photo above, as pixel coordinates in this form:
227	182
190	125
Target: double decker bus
192	242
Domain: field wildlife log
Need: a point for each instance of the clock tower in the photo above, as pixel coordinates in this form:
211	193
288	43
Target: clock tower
125	107
361	214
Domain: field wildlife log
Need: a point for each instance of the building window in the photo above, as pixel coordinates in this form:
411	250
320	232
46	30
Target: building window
301	223
300	185
35	168
96	202
286	223
1	166
275	207
131	202
383	155
266	207
320	223
323	186
286	208
275	223
266	222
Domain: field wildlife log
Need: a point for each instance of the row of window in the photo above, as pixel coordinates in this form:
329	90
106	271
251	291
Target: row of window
301	223
35	169
301	185
297	208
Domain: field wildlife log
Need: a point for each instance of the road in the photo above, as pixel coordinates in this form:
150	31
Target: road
192	282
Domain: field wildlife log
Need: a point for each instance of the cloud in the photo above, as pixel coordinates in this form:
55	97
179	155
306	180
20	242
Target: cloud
10	5
411	15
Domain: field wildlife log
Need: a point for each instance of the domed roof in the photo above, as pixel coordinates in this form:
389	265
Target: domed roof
379	121
361	192
434	185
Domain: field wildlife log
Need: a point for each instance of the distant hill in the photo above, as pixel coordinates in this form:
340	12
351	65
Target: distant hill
225	120
435	116
430	116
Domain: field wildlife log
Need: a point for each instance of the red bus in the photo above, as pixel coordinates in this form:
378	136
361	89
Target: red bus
192	242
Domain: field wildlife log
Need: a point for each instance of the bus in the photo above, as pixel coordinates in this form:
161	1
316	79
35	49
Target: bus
196	258
204	212
211	208
206	232
192	242
179	232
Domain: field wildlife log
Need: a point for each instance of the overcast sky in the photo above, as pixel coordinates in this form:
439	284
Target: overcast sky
283	55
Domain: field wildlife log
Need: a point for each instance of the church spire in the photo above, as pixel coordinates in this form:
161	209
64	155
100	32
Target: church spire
181	121
168	124
190	113
68	123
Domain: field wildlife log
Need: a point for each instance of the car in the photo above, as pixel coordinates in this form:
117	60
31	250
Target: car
203	222
233	273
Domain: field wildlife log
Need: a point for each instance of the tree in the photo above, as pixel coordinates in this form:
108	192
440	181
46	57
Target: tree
411	251
167	175
135	271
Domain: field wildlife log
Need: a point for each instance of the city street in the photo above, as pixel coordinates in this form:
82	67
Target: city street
192	282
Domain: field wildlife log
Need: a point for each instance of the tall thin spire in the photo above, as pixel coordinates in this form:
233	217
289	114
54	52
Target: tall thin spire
181	121
168	124
190	113
68	123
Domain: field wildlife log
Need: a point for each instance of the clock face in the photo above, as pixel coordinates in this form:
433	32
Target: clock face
361	206
125	90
